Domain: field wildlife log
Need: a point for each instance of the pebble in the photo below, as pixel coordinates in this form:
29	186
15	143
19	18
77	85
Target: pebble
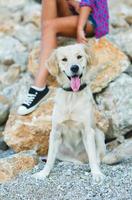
71	182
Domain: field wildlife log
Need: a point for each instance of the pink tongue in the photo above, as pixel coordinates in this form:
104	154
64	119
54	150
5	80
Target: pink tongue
75	83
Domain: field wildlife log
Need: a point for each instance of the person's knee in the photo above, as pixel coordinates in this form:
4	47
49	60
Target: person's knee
49	25
46	24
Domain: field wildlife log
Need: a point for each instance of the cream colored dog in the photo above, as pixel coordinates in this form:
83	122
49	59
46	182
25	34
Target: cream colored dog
74	136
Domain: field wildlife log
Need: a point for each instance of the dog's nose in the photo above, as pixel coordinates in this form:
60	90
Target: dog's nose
74	68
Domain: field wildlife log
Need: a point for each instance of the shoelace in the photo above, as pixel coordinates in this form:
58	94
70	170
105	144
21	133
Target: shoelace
30	98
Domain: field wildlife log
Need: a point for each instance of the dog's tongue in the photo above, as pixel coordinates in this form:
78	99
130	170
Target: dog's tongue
75	83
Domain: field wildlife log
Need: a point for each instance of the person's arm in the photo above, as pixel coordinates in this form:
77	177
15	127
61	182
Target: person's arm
85	10
83	16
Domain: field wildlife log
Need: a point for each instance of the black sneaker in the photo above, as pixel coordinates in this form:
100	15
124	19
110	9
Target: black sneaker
34	98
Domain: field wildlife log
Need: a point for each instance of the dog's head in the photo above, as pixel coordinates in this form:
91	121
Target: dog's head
71	65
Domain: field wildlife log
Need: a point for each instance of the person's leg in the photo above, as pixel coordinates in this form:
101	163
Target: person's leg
67	26
48	38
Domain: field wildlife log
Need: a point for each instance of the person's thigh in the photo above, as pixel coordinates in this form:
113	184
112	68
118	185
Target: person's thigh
67	26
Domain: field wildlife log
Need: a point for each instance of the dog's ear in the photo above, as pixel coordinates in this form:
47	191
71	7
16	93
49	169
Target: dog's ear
52	64
90	55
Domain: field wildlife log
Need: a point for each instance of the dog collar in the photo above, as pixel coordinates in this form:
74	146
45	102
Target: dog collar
69	89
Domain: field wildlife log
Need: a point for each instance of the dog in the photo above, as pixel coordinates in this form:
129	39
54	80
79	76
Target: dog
74	136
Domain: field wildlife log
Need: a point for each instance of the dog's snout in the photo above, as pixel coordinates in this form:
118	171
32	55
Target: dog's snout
74	68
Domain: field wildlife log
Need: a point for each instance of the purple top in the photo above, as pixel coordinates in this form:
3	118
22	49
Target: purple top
100	14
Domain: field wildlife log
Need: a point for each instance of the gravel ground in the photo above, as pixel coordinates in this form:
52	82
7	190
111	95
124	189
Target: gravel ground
71	182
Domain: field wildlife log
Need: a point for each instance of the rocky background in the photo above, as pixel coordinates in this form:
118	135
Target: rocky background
21	137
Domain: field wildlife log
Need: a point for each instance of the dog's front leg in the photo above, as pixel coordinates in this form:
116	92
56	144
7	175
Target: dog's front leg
89	143
54	142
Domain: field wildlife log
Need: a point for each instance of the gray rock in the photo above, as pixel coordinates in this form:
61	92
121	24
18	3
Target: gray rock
12	50
3	145
10	76
119	12
116	103
27	34
123	39
129	70
17	91
32	14
14	5
4	112
119	153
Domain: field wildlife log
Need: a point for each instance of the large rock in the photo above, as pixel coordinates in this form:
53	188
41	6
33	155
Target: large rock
16	92
120	13
123	39
32	14
6	27
12	51
3	145
15	4
4	109
8	20
4	112
32	131
121	152
15	164
110	59
11	75
23	34
116	103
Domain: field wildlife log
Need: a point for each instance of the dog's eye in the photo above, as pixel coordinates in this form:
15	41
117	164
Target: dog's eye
79	57
64	59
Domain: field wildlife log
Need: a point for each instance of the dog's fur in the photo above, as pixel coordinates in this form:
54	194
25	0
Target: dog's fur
74	136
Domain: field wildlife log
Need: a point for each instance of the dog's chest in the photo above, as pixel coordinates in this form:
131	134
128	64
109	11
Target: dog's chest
72	134
72	107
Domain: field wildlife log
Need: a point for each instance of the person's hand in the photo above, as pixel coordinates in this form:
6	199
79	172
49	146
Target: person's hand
74	4
81	36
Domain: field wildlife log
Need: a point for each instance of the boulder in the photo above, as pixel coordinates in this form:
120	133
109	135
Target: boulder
32	14
16	92
116	103
3	145
23	34
11	75
123	39
14	5
4	112
12	51
112	62
31	131
120	13
4	109
121	152
13	165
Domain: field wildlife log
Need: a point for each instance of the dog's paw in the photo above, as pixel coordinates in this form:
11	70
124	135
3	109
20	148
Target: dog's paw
98	177
41	175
